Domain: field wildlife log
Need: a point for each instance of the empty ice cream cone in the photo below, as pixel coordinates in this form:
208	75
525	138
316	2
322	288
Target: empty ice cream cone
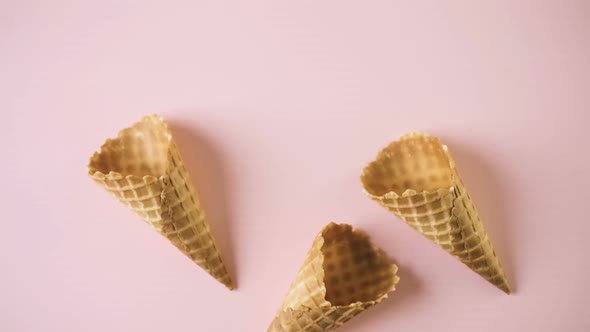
143	169
343	275
415	178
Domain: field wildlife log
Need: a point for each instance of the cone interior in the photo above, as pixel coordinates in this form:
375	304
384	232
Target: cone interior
354	269
139	150
415	162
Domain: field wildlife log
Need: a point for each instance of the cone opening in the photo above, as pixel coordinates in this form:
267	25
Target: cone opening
354	269
416	162
139	150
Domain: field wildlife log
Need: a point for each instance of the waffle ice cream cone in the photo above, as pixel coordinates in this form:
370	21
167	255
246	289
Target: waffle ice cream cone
143	169
416	179
343	275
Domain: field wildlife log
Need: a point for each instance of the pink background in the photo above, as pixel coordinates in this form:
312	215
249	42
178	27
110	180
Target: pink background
277	106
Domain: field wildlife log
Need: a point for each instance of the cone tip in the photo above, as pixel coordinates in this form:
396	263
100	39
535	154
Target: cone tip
227	281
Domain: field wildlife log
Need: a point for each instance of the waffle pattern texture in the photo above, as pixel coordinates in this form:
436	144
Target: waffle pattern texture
416	179
143	169
343	274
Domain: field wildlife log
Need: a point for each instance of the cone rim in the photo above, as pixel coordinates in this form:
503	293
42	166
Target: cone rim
104	148
408	192
327	303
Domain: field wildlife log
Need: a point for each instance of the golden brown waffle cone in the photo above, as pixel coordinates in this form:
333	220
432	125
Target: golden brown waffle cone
343	274
143	169
416	179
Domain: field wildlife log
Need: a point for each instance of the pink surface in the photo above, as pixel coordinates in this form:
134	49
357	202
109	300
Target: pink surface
277	106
